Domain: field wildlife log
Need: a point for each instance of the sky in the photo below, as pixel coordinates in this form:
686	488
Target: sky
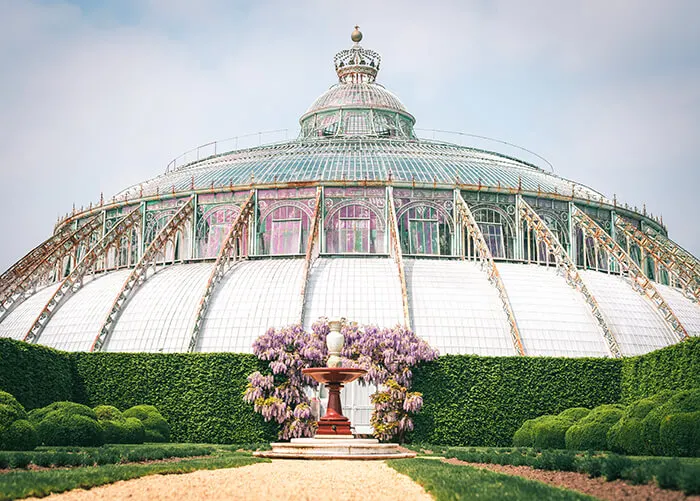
98	96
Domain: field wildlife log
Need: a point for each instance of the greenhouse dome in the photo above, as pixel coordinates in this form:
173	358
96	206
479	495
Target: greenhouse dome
358	217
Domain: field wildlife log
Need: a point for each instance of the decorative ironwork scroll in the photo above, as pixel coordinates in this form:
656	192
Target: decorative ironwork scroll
568	269
488	265
74	281
227	253
310	256
398	256
139	274
663	252
640	282
20	286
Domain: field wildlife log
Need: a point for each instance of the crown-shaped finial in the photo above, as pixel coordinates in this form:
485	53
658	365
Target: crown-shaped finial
357	64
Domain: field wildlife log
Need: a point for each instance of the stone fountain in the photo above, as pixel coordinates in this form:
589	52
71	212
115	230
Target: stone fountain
334	438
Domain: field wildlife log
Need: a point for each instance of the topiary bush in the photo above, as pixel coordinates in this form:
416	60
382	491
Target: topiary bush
16	433
626	435
156	427
67	423
523	435
687	401
548	432
591	432
679	434
118	429
574	414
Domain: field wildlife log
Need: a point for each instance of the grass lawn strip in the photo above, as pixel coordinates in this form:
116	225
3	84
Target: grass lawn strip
581	482
449	482
20	484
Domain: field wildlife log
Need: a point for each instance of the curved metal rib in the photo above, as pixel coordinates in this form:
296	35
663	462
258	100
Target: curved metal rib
568	268
310	256
398	257
18	270
138	274
74	281
488	265
228	249
18	288
662	252
640	282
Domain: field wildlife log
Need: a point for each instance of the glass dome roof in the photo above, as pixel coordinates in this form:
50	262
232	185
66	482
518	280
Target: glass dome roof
357	105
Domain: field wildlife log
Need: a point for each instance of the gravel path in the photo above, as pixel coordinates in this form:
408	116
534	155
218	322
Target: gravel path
281	479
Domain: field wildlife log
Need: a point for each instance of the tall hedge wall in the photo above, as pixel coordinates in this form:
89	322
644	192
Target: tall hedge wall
471	400
34	374
674	368
199	394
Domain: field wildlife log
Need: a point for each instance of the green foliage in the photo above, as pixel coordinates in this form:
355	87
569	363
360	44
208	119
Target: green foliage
681	402
471	400
574	414
679	434
614	465
549	431
155	426
674	368
34	374
67	423
108	413
591	432
523	435
199	395
118	429
449	482
625	436
19	436
16	433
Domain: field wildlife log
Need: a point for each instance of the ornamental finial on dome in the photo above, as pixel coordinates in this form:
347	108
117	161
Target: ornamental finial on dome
357	64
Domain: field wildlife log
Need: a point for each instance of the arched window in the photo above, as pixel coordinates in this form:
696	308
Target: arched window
353	227
425	229
283	228
213	226
498	230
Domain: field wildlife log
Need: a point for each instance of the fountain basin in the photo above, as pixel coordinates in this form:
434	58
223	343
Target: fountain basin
342	375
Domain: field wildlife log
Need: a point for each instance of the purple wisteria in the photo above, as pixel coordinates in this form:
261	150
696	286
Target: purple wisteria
387	354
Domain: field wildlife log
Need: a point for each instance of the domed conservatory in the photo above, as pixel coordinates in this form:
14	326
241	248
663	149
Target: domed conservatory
478	252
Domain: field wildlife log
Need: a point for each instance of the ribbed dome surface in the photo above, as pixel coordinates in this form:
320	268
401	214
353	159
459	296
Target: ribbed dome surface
357	95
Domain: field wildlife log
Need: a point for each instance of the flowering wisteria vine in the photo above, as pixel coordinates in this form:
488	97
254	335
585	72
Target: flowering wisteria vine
387	354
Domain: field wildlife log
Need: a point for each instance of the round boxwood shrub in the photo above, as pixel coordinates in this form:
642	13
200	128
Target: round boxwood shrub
108	413
681	402
574	414
16	433
156	427
118	429
67	423
679	434
590	433
549	432
523	435
626	436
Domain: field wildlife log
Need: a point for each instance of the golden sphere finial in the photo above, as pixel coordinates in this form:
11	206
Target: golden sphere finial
356	35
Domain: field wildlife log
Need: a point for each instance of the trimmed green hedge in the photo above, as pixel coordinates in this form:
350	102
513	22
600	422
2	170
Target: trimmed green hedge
673	368
471	400
199	394
35	375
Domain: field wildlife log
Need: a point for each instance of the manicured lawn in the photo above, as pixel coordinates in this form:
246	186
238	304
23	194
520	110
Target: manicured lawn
451	482
23	483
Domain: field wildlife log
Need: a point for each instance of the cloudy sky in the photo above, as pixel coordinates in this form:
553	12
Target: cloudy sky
97	96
